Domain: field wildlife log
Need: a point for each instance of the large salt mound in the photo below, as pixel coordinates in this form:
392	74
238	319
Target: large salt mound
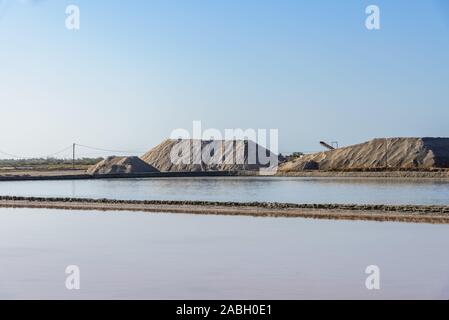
238	151
397	153
121	165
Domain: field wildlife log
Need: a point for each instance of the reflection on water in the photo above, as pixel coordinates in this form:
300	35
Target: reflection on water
299	190
169	256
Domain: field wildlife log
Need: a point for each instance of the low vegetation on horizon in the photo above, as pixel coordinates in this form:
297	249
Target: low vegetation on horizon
47	163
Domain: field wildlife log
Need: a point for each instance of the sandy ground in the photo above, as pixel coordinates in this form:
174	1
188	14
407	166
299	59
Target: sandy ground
412	213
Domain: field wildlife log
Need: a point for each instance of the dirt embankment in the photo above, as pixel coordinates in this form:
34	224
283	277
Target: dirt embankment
392	153
399	213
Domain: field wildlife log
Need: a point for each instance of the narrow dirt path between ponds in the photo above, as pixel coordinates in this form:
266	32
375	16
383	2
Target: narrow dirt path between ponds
400	213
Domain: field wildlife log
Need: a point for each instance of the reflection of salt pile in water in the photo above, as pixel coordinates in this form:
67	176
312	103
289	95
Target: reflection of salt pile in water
398	153
120	165
189	155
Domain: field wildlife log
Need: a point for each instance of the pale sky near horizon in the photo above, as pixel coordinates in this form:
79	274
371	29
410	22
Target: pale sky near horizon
136	70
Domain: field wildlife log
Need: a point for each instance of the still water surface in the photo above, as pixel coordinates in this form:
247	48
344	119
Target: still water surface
170	256
298	190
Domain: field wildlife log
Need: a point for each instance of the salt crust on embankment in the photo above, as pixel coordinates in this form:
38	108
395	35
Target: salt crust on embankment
391	153
121	165
241	155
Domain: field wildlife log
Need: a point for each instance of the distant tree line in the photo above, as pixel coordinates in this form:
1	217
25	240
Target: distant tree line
293	156
50	162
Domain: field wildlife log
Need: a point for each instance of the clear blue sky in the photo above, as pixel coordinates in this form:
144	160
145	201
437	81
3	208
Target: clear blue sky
139	69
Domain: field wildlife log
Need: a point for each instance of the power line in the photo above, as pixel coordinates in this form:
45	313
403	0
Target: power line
10	155
58	152
108	150
66	149
23	157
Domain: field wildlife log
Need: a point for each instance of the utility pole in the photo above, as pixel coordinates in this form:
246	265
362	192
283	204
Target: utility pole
386	153
73	158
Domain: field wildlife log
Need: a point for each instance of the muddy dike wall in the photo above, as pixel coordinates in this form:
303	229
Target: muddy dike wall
125	175
394	213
